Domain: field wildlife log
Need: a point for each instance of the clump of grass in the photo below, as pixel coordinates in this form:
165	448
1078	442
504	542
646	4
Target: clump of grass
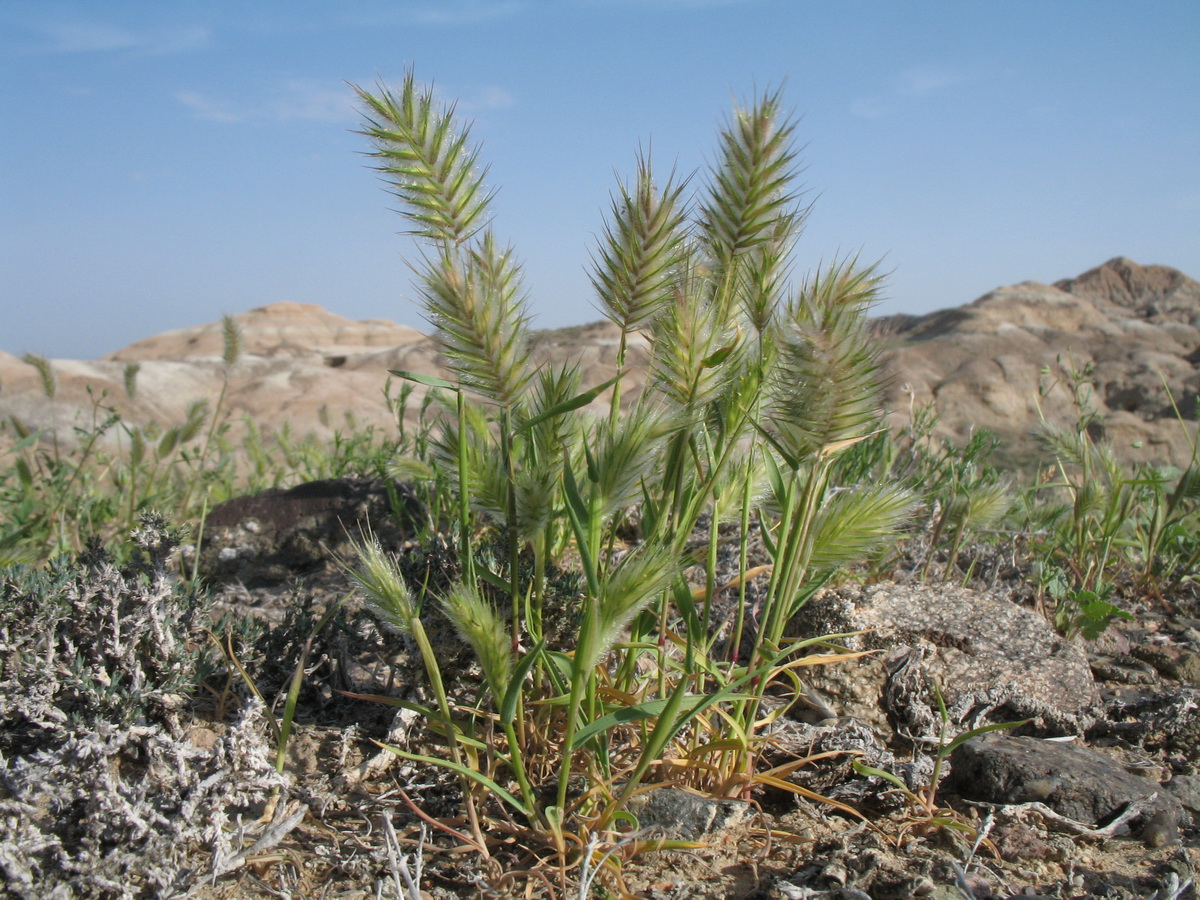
1103	524
757	390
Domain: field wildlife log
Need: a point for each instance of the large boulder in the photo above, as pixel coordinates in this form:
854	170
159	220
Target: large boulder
266	539
989	657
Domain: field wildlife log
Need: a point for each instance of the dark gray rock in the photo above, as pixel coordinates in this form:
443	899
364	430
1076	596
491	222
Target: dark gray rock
1186	789
1073	781
261	540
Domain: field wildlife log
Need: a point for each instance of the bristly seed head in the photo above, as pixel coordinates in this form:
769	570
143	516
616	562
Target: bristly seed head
384	588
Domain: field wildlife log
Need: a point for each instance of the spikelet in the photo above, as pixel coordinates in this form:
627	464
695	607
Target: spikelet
826	392
766	269
477	307
550	441
487	484
197	415
1065	445
981	506
130	379
640	250
167	443
555	385
383	587
751	187
19	427
231	340
428	161
855	523
470	287
625	591
478	623
137	448
684	339
630	455
744	465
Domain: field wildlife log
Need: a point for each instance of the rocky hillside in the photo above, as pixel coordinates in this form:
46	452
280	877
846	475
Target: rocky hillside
299	364
1139	326
983	363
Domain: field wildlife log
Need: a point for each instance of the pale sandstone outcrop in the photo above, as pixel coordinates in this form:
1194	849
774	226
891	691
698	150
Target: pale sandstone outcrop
1138	326
288	330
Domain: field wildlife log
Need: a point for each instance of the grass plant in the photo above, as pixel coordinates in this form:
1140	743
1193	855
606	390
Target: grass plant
757	389
626	580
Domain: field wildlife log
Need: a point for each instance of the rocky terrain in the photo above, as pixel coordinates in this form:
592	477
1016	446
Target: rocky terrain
1095	795
982	363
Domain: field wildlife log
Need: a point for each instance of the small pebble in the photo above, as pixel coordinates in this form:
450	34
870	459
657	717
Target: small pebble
1160	829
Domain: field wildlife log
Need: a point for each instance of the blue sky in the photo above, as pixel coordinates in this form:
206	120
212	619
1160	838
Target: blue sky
162	163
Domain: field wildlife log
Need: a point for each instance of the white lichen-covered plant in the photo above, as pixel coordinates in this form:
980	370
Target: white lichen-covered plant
101	794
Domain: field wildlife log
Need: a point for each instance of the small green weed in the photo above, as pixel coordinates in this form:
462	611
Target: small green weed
55	494
1104	524
925	815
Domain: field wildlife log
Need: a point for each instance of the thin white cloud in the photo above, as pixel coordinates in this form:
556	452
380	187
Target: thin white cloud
101	37
180	40
293	100
497	98
314	101
441	12
915	83
82	37
206	107
921	81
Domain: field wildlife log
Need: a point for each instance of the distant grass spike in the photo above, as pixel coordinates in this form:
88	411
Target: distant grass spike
45	371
